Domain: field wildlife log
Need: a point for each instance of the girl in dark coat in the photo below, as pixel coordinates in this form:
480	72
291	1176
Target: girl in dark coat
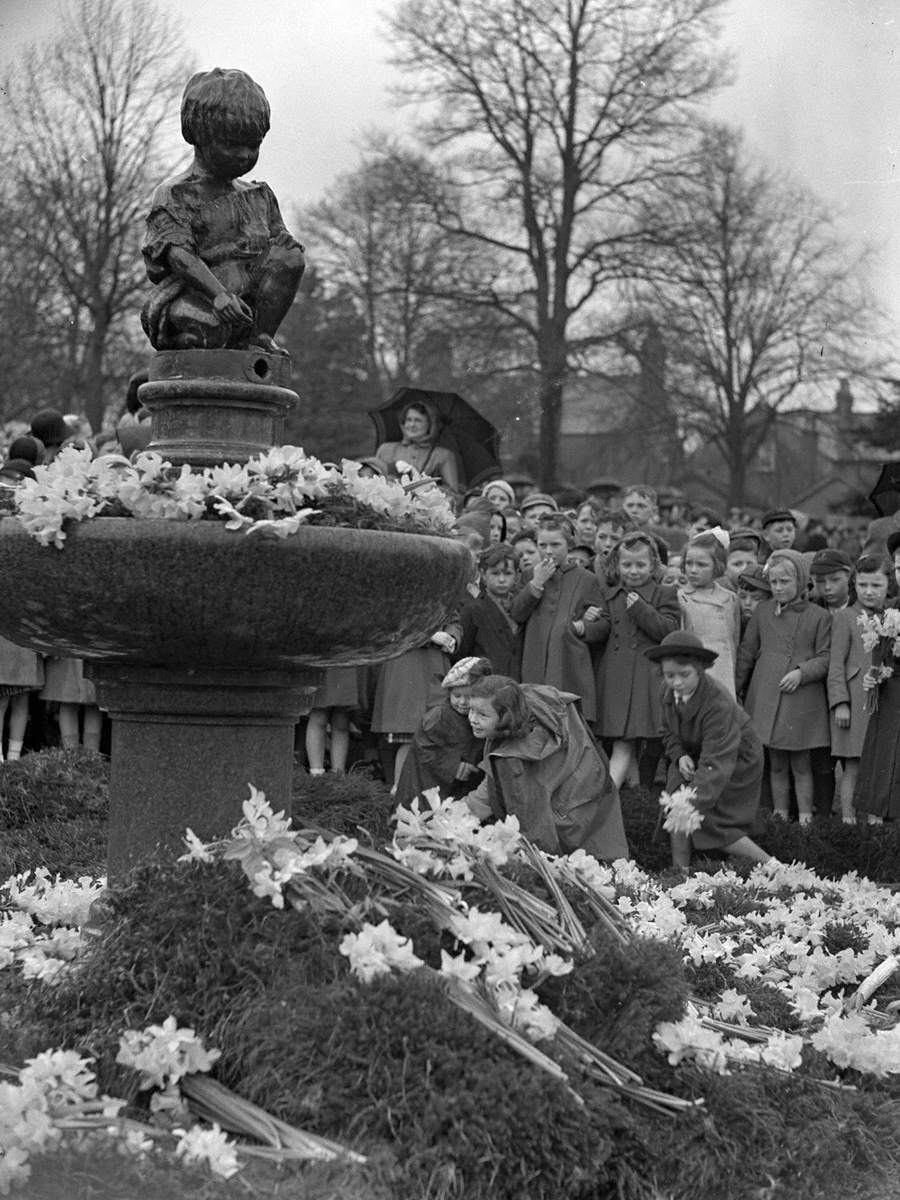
445	753
712	746
641	612
561	609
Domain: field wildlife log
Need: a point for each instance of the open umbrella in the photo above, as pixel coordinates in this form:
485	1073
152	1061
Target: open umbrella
885	495
461	428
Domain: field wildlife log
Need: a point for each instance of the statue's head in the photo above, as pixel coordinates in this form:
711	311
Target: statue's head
224	105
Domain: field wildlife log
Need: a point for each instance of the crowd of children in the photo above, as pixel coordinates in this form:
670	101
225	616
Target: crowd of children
561	645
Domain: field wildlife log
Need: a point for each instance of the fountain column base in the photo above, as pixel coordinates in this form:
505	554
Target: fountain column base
208	734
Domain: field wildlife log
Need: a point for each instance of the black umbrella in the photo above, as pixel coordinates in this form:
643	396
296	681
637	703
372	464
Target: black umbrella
885	495
461	428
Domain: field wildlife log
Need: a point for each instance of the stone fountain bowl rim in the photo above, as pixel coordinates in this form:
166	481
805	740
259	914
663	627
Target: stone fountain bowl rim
278	609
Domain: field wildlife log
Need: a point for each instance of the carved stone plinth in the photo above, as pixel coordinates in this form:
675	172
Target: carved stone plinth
213	406
185	745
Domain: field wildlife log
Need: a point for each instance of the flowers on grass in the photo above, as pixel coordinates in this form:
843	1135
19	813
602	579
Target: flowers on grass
377	950
208	1147
276	492
164	1053
40	931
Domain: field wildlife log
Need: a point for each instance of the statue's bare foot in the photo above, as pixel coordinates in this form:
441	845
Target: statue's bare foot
264	341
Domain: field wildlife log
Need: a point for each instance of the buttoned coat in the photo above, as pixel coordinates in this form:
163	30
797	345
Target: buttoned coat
846	667
487	632
714	615
442	742
552	652
719	736
628	684
797	636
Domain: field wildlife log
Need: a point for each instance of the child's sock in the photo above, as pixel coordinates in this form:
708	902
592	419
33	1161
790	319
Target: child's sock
317	770
14	752
805	818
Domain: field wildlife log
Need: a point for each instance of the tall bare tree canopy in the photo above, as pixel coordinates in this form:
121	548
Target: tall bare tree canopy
757	296
554	116
90	118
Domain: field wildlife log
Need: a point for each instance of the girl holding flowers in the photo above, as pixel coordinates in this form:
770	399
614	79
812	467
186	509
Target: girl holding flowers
855	632
877	791
712	747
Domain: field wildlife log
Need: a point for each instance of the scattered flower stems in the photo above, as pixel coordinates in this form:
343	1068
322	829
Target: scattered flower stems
211	1101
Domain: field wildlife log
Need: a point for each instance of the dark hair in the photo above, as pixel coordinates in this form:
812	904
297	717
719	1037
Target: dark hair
49	427
495	555
640	489
508	700
223	103
524	535
636	537
27	448
559	522
876	562
744	543
713	518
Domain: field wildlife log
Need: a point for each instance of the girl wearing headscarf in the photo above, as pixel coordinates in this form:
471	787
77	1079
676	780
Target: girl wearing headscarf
782	666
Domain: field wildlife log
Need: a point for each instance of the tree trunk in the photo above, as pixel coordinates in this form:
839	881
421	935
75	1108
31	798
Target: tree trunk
551	397
93	398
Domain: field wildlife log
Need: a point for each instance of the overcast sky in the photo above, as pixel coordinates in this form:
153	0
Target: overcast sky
817	91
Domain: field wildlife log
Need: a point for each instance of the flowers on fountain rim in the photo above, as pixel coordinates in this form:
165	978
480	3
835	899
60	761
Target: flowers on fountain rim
275	492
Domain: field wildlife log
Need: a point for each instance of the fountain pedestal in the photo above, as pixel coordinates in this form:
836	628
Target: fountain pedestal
189	742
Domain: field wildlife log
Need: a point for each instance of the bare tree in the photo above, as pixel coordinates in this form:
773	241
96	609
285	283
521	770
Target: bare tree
89	116
757	295
554	116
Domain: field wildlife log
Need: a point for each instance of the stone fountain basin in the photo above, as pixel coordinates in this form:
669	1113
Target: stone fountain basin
196	595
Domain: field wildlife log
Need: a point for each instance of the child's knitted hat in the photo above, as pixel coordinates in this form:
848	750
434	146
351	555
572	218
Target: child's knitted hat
466	671
500	485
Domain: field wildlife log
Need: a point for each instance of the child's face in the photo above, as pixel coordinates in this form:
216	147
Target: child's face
749	599
513	525
528	553
834	588
738	562
872	589
495	532
780	534
580	557
500	579
783	581
228	159
681	675
459	700
586	526
699	567
638	508
552	544
483	717
608	533
671	575
635	565
497	498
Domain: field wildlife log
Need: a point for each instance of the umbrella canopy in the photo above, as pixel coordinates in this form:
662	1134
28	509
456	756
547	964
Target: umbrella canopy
885	495
461	428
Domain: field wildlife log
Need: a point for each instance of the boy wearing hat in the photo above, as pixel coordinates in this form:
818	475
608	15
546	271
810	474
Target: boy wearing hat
779	526
831	571
445	753
535	506
712	747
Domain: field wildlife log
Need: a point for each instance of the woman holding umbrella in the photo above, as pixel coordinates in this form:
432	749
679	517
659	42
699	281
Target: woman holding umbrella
418	447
